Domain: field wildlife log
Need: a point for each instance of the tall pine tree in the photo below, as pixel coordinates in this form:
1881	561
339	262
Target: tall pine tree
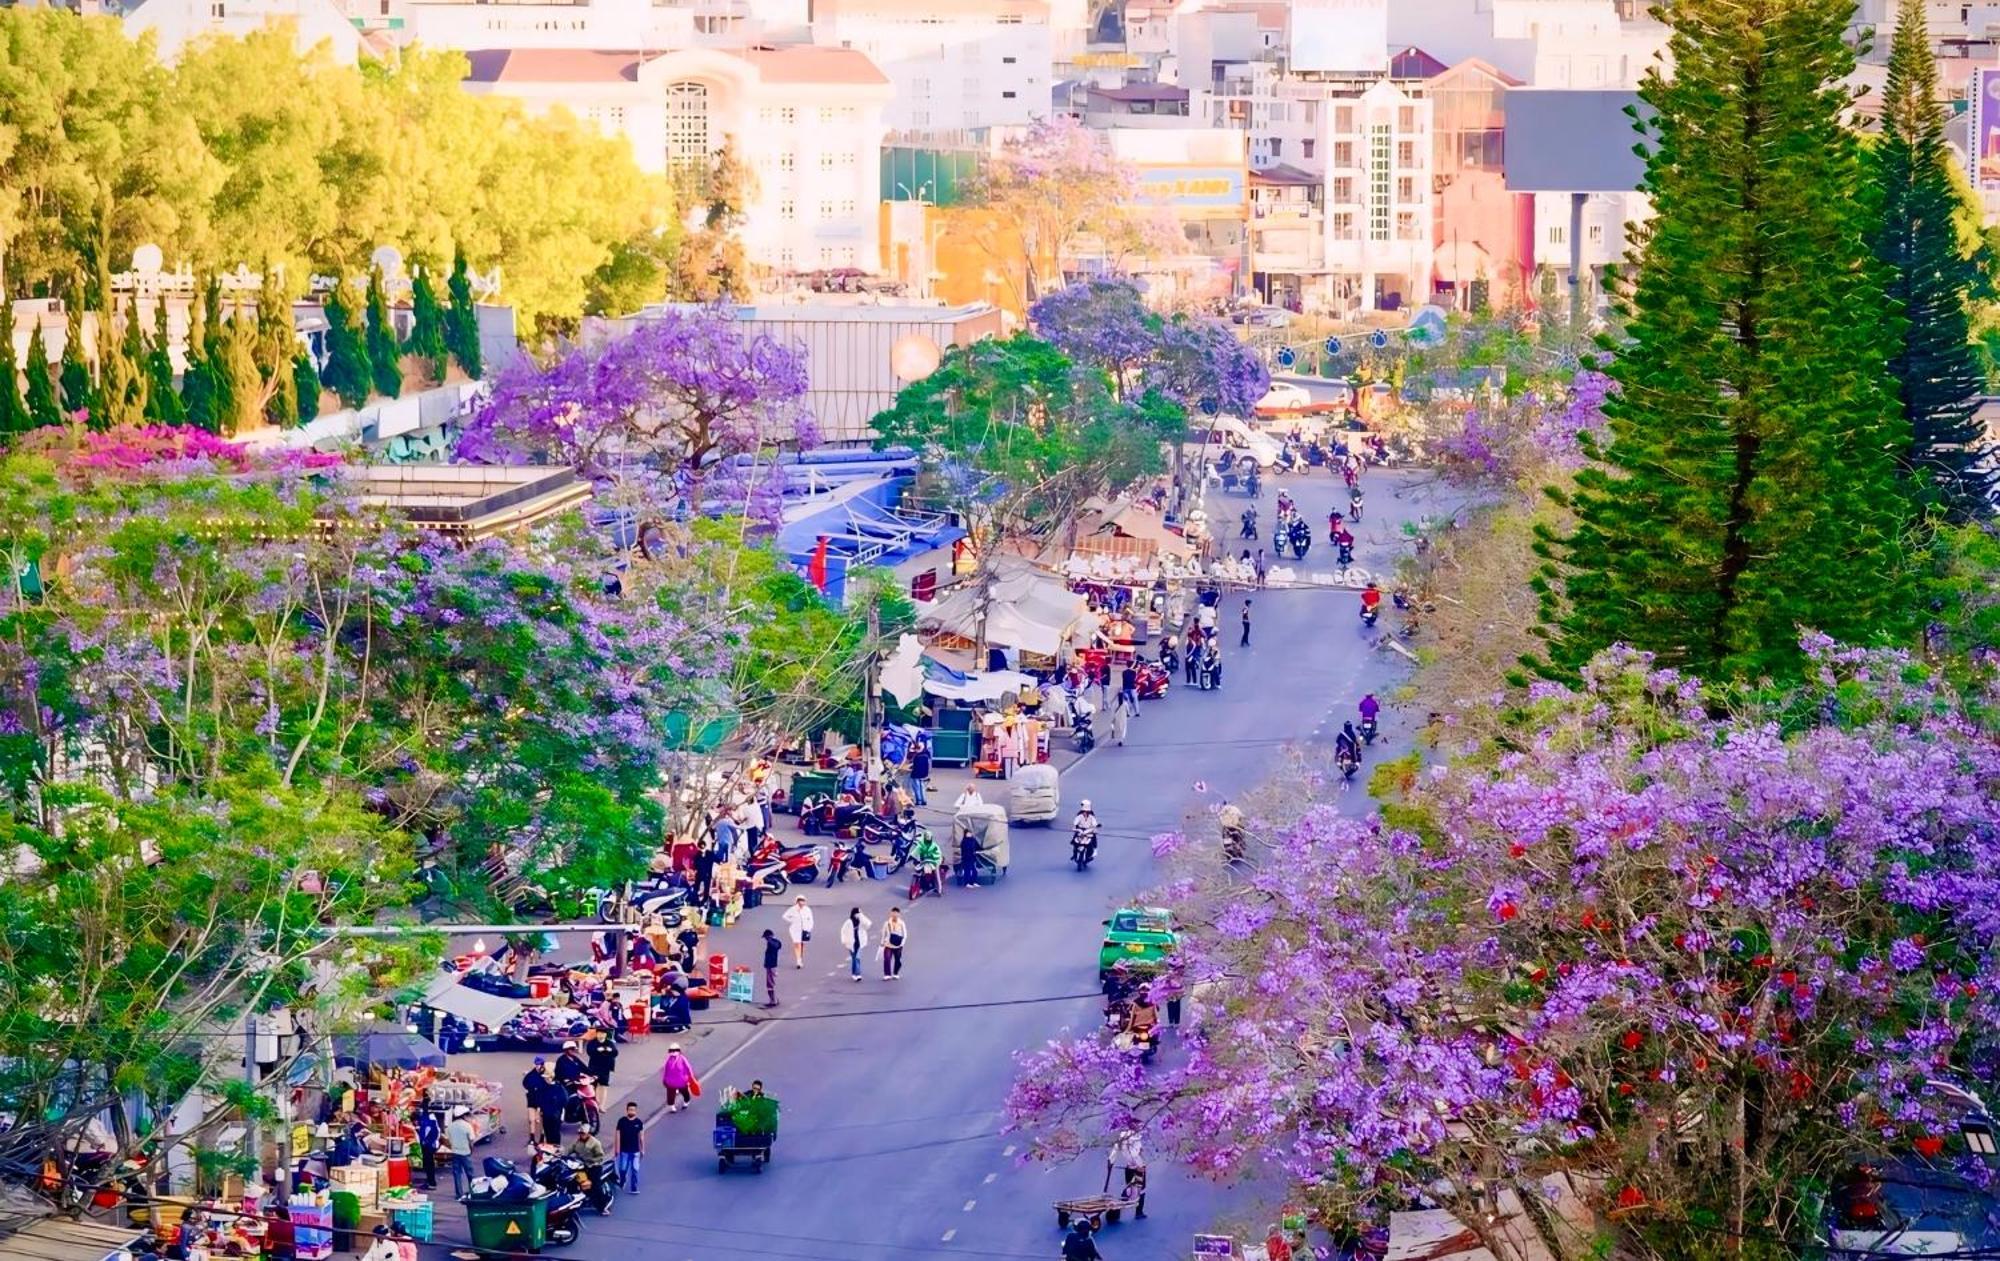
1747	486
277	339
43	409
13	411
1930	275
305	386
79	394
238	364
347	372
218	384
461	319
163	401
198	378
385	357
427	341
121	387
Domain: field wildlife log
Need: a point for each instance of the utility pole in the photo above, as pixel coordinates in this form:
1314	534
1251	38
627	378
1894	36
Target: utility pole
871	710
252	1078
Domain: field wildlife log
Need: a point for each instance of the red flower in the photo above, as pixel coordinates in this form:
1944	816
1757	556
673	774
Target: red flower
1788	977
1624	1087
1508	911
1929	1146
1517	850
1630	1197
1632	1039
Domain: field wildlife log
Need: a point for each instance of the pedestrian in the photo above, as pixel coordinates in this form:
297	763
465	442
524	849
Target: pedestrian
799	923
603	1057
1246	625
968	858
458	1143
1193	660
895	932
967	798
1129	1159
1119	719
631	1146
531	1087
677	1075
554	1100
704	870
1261	571
920	767
1128	695
772	950
854	935
429	1135
383	1249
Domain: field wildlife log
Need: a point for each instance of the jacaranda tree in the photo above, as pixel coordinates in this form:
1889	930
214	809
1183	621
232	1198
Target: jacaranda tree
1682	974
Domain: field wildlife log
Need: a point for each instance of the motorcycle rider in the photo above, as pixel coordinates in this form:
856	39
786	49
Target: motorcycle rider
1347	745
1285	505
1084	830
1078	1245
1335	524
1249	523
1230	820
1371	601
1354	503
1370	708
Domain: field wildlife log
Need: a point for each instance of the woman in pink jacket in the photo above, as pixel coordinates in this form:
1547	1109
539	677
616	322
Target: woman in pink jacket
677	1075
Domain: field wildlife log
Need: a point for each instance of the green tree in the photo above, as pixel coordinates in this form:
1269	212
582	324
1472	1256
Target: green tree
13	411
41	397
427	338
385	357
1747	487
220	386
198	397
248	390
122	370
1931	274
461	319
305	386
277	346
707	264
78	391
163	403
347	371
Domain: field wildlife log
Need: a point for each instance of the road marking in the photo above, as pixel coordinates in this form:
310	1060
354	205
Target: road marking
989	1179
1008	1150
949	1235
968	1205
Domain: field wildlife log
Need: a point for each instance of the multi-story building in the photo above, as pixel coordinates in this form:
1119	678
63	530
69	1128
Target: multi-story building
1482	238
957	66
808	121
174	24
641	25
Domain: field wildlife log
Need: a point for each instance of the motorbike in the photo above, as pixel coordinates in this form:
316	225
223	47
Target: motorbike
1354	506
647	899
1170	655
565	1174
1348	764
1080	728
1346	554
1254	482
1208	674
1083	845
1368	728
565	1208
773	867
907	835
1249	530
1301	538
1369	614
849	856
1154	680
926	878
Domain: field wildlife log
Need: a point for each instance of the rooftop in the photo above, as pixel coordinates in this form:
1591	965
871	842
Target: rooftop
1135	93
468	501
789	63
1284	176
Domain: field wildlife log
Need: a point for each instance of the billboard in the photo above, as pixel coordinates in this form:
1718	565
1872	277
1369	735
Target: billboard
1340	36
1194	187
1562	140
1985	137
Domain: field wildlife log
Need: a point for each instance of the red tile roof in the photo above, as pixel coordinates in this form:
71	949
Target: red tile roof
792	63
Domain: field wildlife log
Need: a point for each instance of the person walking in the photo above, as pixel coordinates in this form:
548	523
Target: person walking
602	1056
631	1146
1119	720
554	1099
1246	626
1261	571
1128	1158
1193	658
920	768
772	950
532	1082
458	1143
854	935
677	1075
895	932
799	924
1128	693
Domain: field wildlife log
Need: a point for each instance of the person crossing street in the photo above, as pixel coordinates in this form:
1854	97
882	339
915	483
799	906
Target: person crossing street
1245	643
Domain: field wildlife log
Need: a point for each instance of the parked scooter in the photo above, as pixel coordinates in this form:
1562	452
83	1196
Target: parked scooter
565	1174
1080	712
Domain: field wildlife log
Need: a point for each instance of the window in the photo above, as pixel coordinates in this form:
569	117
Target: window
787	160
1278	112
1277	147
1406	225
786	256
1309	112
687	123
1008	61
1406	188
1343	190
1307	146
1343	225
826	161
826	210
847	208
1378	182
1343	153
1007	96
1406	154
1343	118
787	116
217	9
788	210
1595	234
826	256
1406	118
1558	235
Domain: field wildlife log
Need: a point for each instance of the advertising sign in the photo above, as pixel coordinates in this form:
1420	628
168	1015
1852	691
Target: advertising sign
1194	187
1340	36
1985	136
1207	1247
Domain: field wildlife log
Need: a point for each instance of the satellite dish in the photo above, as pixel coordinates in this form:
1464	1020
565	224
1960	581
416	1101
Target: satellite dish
389	259
147	260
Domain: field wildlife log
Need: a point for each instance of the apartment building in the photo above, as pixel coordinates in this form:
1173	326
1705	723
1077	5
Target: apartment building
959	66
174	24
807	120
641	25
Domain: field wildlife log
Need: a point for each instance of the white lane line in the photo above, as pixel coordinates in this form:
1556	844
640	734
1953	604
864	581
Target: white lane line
1008	1150
989	1179
949	1235
969	1204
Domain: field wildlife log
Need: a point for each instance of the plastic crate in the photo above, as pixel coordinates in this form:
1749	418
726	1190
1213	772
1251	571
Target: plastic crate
416	1218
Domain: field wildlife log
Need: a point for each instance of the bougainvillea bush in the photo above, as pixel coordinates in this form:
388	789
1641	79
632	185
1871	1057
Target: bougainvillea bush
1703	966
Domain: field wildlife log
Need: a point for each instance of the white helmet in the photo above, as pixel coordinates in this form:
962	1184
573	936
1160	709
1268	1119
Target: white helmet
1084	805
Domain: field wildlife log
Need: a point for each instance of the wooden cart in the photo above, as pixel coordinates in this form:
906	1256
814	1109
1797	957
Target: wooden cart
1099	1209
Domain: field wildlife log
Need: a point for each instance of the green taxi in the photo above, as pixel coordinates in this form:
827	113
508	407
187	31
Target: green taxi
1137	937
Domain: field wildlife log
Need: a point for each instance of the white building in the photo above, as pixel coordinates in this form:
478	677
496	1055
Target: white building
175	24
808	121
1543	43
959	65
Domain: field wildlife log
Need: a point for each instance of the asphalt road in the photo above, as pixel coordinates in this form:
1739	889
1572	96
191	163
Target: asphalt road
892	1144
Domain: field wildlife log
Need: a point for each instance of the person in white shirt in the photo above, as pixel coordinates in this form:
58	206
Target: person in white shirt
383	1249
970	797
854	935
799	923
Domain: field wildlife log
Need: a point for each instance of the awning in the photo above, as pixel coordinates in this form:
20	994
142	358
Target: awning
446	994
388	1047
1028	610
59	1239
941	680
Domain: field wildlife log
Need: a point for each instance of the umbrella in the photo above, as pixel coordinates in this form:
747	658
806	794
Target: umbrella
389	1046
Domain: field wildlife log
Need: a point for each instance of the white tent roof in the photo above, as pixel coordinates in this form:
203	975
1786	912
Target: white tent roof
446	994
1029	610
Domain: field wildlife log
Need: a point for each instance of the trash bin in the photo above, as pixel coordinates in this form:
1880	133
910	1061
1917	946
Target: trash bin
508	1225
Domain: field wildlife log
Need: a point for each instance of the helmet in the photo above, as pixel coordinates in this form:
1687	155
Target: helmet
1084	804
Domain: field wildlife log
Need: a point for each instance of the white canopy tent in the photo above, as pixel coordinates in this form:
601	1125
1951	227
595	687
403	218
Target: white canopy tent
449	994
1028	610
